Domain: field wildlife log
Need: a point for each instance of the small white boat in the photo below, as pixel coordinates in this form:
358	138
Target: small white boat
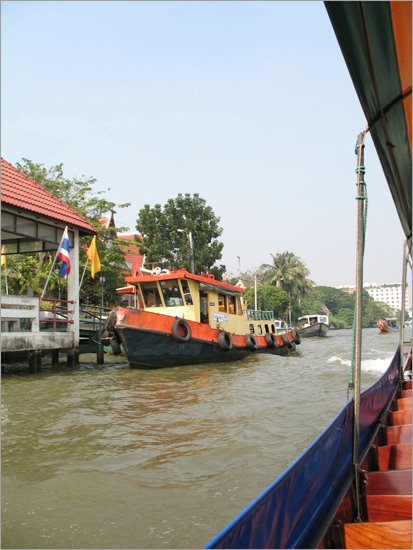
313	325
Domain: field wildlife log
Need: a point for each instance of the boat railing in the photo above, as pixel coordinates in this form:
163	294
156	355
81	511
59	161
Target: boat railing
258	315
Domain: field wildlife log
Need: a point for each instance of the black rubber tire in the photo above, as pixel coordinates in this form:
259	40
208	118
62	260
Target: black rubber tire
114	344
286	341
225	341
271	340
177	327
251	342
297	337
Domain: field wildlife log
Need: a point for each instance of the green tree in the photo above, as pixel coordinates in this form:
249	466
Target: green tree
288	272
168	231
269	298
77	193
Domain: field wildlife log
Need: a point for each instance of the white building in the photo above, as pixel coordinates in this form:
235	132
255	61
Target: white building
390	294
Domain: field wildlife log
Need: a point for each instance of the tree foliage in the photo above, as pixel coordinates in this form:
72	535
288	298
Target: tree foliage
166	234
269	298
31	271
340	307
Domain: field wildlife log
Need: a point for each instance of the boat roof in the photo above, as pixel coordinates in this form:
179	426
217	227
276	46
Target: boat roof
376	41
207	280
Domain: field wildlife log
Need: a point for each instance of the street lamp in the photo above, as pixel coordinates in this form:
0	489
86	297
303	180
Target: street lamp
191	247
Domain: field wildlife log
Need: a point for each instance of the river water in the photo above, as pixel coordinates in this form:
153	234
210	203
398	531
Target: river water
108	457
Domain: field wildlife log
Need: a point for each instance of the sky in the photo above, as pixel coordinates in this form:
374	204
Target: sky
249	104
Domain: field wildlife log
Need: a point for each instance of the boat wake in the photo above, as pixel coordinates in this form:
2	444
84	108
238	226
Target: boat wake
367	365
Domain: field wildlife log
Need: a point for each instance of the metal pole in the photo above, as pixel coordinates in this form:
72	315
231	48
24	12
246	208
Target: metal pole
401	341
359	313
100	355
191	247
255	290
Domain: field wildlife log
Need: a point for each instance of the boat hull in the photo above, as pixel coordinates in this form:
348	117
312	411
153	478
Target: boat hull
150	341
319	329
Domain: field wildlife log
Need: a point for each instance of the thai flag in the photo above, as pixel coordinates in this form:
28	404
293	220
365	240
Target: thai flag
63	254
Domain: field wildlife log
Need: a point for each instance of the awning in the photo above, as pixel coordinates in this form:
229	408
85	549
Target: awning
376	41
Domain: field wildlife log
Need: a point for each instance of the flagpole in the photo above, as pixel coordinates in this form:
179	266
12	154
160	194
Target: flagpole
51	269
83	274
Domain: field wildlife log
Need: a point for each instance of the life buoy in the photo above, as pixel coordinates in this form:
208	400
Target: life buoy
286	341
225	341
296	336
270	340
114	344
251	342
181	331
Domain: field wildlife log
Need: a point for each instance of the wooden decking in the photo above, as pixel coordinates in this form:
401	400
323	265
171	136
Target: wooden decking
386	490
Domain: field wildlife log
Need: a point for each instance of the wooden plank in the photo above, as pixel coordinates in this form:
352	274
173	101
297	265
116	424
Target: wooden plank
392	482
392	534
399	434
395	457
407	385
404	403
389	507
400	417
406	393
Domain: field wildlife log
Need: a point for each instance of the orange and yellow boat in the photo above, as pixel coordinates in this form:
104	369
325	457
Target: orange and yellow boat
180	318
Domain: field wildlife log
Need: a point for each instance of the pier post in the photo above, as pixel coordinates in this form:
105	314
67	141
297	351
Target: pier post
55	357
100	356
35	361
73	357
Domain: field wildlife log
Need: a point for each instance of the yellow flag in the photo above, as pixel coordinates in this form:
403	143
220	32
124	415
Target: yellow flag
93	256
3	256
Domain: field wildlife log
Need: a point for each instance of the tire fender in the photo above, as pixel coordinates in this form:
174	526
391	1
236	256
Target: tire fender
181	331
297	337
225	341
286	341
250	342
271	340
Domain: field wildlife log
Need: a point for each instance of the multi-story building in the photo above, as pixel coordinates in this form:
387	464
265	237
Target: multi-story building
390	294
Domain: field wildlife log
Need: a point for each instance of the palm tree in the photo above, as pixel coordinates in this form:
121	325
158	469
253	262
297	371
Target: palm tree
288	272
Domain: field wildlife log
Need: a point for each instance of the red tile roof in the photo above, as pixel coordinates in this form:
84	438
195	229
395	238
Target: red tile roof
133	257
20	191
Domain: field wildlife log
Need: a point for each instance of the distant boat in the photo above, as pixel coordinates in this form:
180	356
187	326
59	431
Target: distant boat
313	325
180	318
387	324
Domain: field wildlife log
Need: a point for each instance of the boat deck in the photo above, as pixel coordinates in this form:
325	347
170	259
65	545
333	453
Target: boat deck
386	487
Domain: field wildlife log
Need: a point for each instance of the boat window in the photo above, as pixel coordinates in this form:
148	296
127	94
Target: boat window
171	293
222	306
266	329
273	329
186	292
251	328
259	329
232	305
150	294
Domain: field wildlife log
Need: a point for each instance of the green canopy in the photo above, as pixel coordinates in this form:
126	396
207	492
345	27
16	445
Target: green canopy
376	41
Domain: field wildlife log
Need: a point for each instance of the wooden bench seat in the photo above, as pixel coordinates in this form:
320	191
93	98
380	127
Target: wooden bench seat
389	507
400	417
392	534
406	393
395	457
399	434
407	385
392	482
404	403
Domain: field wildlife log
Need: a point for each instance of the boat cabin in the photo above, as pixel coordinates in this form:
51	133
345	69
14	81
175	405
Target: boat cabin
309	320
198	298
